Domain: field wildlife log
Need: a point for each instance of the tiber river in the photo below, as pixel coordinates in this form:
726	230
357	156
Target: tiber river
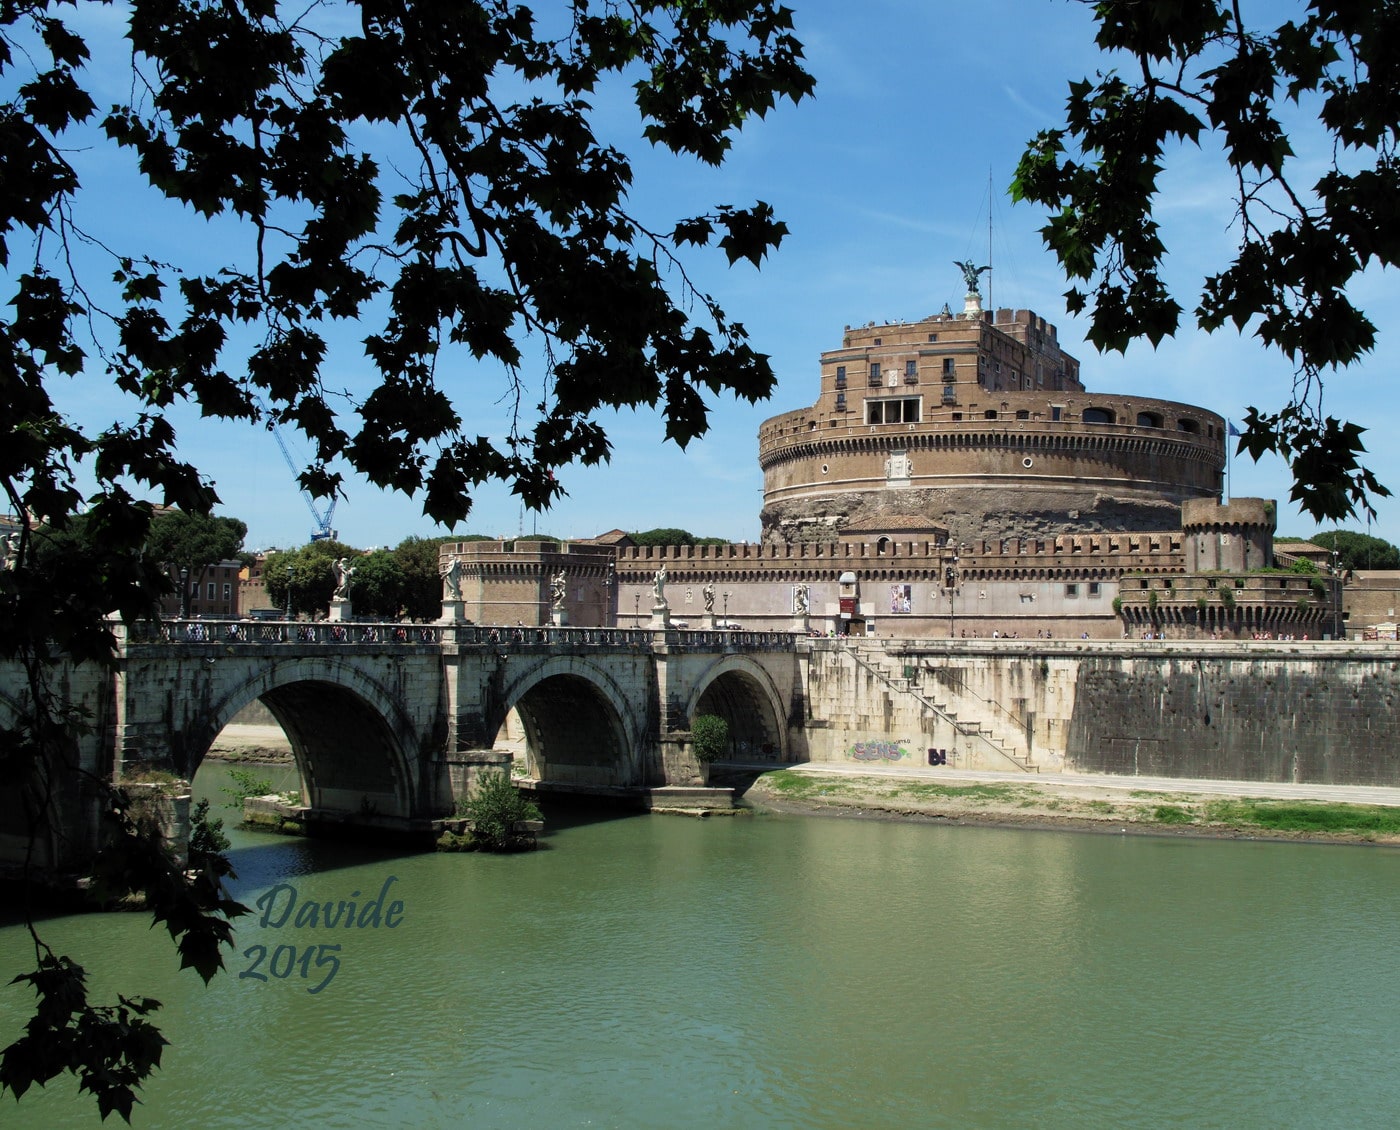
776	971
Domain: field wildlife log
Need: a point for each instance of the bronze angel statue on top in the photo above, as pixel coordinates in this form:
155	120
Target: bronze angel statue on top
971	273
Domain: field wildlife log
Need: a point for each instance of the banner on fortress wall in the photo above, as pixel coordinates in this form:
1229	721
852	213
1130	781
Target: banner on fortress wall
901	599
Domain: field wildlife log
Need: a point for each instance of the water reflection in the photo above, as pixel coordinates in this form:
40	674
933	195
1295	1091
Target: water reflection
786	971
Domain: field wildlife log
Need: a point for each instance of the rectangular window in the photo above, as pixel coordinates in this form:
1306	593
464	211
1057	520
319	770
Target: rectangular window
228	592
950	394
840	402
1093	588
840	376
948	365
911	372
1055	411
933	337
874	374
210	590
1071	590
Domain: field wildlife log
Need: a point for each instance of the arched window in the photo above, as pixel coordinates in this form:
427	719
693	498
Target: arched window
1191	426
1098	415
1149	420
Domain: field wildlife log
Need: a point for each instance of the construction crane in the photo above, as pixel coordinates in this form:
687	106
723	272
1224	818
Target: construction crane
323	531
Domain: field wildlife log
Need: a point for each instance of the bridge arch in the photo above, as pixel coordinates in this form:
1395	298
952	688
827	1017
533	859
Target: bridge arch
743	693
580	725
353	744
32	809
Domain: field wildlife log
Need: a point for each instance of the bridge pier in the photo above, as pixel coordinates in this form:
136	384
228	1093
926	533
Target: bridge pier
465	770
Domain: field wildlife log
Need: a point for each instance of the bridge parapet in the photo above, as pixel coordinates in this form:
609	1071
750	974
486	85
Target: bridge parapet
236	632
351	635
643	639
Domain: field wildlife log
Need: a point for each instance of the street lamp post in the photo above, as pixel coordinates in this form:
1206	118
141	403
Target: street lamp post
636	610
726	608
184	593
1338	625
290	573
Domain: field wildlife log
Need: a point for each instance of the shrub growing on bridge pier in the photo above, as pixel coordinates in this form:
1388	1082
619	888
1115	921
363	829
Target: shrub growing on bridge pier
496	810
709	737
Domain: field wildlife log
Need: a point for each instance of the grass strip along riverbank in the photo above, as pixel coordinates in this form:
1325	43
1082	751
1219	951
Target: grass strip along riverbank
1087	807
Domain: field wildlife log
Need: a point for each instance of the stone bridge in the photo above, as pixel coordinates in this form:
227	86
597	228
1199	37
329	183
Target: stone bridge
386	721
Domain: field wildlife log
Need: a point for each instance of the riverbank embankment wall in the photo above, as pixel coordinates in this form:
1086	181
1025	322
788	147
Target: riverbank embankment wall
1266	711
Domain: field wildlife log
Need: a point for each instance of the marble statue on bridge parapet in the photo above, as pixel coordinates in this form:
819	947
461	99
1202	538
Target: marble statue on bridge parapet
451	574
344	578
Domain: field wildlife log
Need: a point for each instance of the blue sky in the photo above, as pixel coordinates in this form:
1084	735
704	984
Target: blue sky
883	179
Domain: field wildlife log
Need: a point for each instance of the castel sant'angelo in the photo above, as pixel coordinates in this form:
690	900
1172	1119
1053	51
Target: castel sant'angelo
954	477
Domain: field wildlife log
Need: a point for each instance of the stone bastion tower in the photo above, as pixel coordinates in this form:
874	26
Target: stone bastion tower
978	422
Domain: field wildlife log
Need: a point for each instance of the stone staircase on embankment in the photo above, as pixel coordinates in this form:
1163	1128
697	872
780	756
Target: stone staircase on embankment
993	739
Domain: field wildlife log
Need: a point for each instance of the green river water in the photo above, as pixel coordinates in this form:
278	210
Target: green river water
776	971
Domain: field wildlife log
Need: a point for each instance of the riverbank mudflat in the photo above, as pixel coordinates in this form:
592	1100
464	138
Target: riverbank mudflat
1026	803
251	743
1019	802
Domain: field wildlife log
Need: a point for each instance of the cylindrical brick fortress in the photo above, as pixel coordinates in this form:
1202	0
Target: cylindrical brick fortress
982	426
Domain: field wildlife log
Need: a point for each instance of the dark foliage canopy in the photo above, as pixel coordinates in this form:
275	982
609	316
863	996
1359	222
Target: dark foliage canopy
427	171
1193	71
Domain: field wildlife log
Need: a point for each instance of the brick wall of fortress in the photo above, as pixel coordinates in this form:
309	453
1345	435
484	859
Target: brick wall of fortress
824	471
1320	713
1002	584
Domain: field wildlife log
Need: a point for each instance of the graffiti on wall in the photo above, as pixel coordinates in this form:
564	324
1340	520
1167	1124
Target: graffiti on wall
879	750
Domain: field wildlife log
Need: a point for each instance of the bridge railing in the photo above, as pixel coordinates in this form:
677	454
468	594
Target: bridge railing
351	634
275	631
613	637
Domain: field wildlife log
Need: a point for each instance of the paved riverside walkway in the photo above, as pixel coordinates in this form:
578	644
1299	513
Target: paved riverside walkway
1272	790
